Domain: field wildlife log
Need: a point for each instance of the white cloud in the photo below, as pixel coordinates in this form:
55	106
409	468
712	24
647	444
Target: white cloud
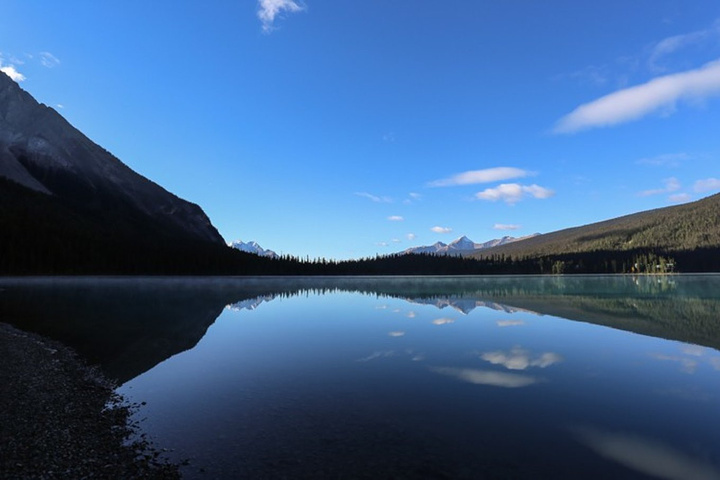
268	10
666	160
396	240
592	74
382	244
520	359
374	198
395	218
398	333
506	226
12	72
707	185
680	198
672	44
486	377
487	175
412	197
13	60
437	229
671	185
636	102
512	193
411	236
49	60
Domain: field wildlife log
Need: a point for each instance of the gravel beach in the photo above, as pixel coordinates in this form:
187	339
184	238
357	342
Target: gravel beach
60	418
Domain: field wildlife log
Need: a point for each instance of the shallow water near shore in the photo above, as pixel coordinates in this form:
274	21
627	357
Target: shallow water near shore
463	377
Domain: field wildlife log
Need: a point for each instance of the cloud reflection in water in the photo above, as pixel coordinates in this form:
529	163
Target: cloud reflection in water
647	456
486	377
443	321
510	323
520	359
691	358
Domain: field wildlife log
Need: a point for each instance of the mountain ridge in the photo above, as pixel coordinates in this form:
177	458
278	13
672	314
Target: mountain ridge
253	247
463	245
42	151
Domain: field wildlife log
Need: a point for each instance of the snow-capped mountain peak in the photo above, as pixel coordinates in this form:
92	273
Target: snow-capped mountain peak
253	247
462	245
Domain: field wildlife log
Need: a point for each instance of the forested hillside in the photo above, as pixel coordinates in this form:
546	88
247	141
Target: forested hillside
688	233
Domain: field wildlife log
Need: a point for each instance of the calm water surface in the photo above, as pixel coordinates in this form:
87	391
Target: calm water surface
502	377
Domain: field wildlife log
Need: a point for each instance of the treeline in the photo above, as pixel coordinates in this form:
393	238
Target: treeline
601	262
688	231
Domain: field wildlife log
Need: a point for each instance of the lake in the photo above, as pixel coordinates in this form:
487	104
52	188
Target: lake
404	377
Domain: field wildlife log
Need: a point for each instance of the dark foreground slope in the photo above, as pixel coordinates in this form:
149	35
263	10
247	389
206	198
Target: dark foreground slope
41	151
69	206
689	234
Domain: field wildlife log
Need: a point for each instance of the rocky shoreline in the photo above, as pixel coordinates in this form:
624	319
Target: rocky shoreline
60	418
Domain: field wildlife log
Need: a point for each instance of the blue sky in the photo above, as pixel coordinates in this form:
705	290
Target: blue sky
345	129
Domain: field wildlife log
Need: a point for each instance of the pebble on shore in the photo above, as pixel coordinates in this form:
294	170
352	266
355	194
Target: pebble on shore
60	418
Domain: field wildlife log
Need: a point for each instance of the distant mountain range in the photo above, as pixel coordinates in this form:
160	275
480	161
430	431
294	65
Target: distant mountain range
253	247
464	246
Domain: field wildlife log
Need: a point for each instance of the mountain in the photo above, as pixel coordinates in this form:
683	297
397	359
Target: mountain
69	206
463	246
253	247
41	151
690	232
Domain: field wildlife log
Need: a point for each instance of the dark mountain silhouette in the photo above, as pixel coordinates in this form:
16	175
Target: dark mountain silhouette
40	150
63	197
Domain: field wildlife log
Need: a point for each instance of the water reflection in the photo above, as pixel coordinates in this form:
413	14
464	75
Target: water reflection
510	323
129	325
251	303
405	377
464	305
412	355
691	357
520	359
443	321
648	456
487	377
